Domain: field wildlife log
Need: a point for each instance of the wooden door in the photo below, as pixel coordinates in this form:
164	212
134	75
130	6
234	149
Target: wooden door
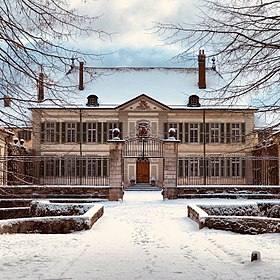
143	171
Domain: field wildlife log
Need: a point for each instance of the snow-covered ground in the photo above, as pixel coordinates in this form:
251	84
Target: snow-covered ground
141	238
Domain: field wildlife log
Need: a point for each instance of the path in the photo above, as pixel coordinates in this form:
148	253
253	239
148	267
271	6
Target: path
141	238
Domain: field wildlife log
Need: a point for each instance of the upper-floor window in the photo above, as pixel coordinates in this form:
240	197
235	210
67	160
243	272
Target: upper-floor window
91	133
111	127
76	132
50	132
194	132
214	133
235	132
71	132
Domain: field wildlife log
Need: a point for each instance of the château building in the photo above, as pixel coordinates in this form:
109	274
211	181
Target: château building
213	139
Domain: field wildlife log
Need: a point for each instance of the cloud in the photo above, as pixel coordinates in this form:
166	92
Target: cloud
130	23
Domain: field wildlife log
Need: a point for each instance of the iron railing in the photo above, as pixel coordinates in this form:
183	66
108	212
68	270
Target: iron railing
48	170
233	170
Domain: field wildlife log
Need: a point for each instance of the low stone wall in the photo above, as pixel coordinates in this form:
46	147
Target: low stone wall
53	224
241	218
223	191
61	192
14	212
244	225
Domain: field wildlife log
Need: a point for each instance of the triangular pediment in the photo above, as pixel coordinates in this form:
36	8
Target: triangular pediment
143	102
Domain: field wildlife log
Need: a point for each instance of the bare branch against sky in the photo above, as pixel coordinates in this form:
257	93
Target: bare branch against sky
34	38
244	37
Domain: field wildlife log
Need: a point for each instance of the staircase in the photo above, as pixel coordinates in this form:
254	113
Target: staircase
142	187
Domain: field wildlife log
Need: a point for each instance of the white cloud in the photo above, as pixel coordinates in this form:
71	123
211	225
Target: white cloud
130	23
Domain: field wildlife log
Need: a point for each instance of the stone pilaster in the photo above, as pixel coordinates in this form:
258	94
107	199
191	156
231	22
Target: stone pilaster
116	180
170	168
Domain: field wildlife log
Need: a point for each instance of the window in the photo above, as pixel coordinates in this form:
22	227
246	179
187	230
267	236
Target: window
50	168
235	132
236	167
214	132
193	101
194	168
70	132
215	167
194	130
191	167
111	127
92	101
91	133
50	132
174	125
24	134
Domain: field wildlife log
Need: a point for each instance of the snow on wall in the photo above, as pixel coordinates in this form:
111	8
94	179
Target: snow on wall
246	218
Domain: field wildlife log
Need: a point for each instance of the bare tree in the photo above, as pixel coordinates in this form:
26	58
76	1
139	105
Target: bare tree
244	37
35	37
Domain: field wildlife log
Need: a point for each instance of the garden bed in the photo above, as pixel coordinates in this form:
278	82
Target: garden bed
46	217
242	217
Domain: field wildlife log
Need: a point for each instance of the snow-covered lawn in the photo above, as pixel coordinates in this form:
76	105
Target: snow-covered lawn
141	238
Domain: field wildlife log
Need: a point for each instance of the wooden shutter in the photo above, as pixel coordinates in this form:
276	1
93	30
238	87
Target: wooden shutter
243	132
201	132
180	168
228	133
63	132
42	132
165	130
222	132
186	132
99	132
207	133
57	132
105	132
180	132
78	131
121	130
243	168
84	132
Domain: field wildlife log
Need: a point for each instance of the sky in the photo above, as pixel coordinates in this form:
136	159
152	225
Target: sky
133	41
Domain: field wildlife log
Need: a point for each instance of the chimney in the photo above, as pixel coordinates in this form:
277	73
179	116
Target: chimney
7	101
81	76
41	87
201	70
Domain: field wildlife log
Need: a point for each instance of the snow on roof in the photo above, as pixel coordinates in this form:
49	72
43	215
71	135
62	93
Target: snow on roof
117	85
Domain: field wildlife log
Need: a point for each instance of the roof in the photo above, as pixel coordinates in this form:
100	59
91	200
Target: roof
118	85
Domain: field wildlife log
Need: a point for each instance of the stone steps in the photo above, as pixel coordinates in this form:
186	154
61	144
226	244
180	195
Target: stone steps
142	187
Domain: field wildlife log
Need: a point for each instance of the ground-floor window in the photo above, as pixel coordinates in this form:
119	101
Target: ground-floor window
74	167
211	167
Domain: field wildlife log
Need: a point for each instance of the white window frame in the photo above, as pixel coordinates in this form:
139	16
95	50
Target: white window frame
215	133
71	132
50	132
194	133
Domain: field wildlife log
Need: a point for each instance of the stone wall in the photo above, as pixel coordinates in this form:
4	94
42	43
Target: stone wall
51	225
241	218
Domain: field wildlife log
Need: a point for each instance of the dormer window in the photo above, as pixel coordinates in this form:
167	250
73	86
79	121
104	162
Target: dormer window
92	101
193	101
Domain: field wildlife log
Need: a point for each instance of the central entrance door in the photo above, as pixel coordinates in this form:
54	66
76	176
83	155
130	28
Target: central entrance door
142	170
